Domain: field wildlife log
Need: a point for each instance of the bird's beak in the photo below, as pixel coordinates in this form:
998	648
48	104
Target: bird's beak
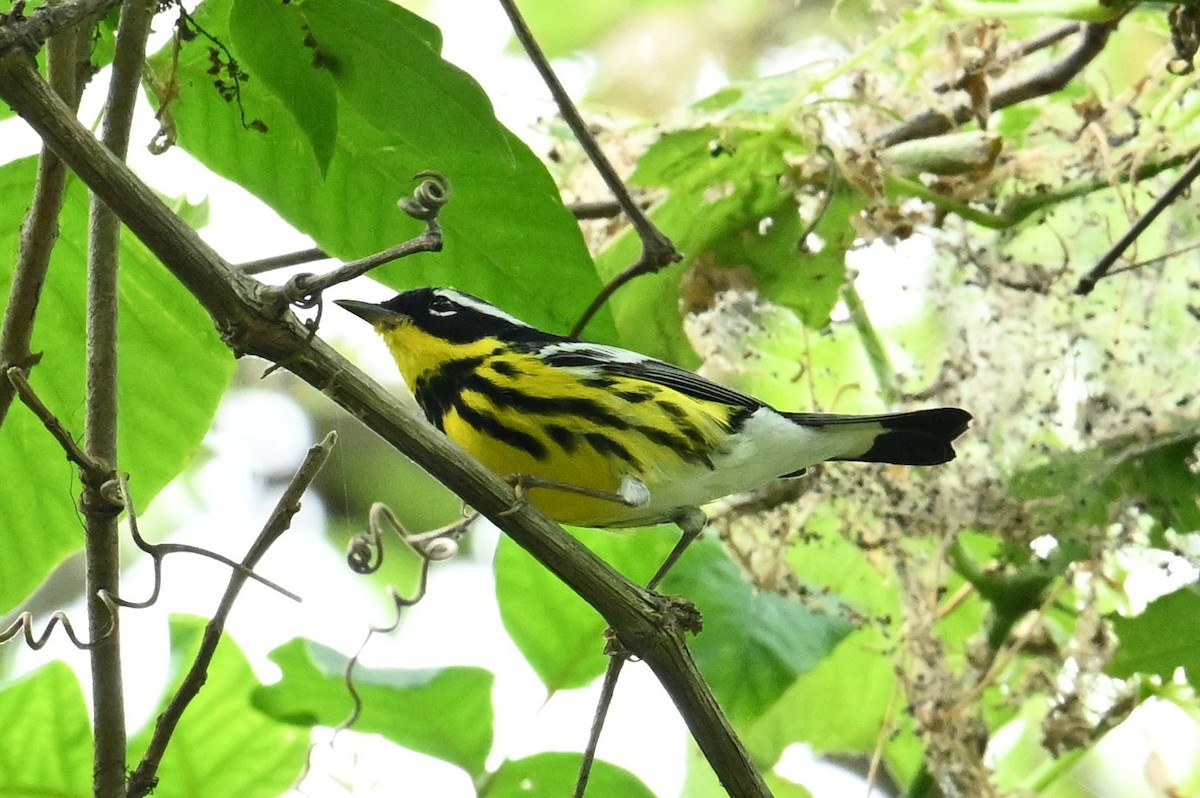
370	313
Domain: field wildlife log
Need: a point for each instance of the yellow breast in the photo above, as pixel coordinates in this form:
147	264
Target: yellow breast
519	416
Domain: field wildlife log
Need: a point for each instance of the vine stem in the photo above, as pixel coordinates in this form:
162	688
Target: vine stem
877	356
101	546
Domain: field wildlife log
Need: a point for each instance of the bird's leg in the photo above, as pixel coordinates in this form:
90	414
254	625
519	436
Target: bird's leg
632	492
691	521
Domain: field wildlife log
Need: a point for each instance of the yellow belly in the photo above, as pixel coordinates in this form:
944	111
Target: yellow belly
583	468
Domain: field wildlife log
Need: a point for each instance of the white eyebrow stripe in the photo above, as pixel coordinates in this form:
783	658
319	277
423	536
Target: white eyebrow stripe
602	353
479	306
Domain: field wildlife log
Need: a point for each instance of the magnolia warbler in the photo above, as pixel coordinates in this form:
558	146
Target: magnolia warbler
608	437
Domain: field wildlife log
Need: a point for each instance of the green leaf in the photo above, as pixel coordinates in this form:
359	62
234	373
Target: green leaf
1084	486
754	643
222	745
814	709
560	636
785	269
266	34
752	648
365	45
400	109
443	712
45	735
553	775
719	183
1161	639
168	351
784	788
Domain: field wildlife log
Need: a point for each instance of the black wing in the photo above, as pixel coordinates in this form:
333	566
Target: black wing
623	363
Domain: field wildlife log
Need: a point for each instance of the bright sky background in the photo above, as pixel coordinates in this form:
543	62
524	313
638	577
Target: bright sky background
258	432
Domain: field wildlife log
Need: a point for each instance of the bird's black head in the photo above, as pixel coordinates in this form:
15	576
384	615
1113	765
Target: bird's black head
445	313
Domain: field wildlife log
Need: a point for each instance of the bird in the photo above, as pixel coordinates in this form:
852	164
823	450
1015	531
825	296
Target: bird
599	436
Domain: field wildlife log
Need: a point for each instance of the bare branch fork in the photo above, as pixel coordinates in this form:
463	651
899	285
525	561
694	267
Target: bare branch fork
143	779
116	490
96	472
657	250
647	624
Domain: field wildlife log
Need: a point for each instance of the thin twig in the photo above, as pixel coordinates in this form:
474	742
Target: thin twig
159	551
1047	81
23	624
1023	49
607	689
1156	261
657	250
596	209
1046	39
40	230
426	202
1103	267
873	346
283	261
303	287
144	777
94	470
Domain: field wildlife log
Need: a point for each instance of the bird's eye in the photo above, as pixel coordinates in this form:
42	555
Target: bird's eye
441	306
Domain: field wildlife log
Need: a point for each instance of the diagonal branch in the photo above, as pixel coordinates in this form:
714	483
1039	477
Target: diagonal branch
143	779
1046	81
1103	267
92	469
647	624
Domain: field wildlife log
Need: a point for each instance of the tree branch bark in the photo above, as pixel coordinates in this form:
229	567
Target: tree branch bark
102	543
31	32
40	230
646	623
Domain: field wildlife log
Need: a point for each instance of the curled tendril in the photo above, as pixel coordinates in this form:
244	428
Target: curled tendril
427	198
441	549
364	554
116	491
113	492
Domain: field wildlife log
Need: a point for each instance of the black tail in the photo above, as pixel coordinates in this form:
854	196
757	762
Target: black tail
921	437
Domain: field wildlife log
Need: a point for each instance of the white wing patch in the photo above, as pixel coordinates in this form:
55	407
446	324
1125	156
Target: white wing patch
584	351
623	363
